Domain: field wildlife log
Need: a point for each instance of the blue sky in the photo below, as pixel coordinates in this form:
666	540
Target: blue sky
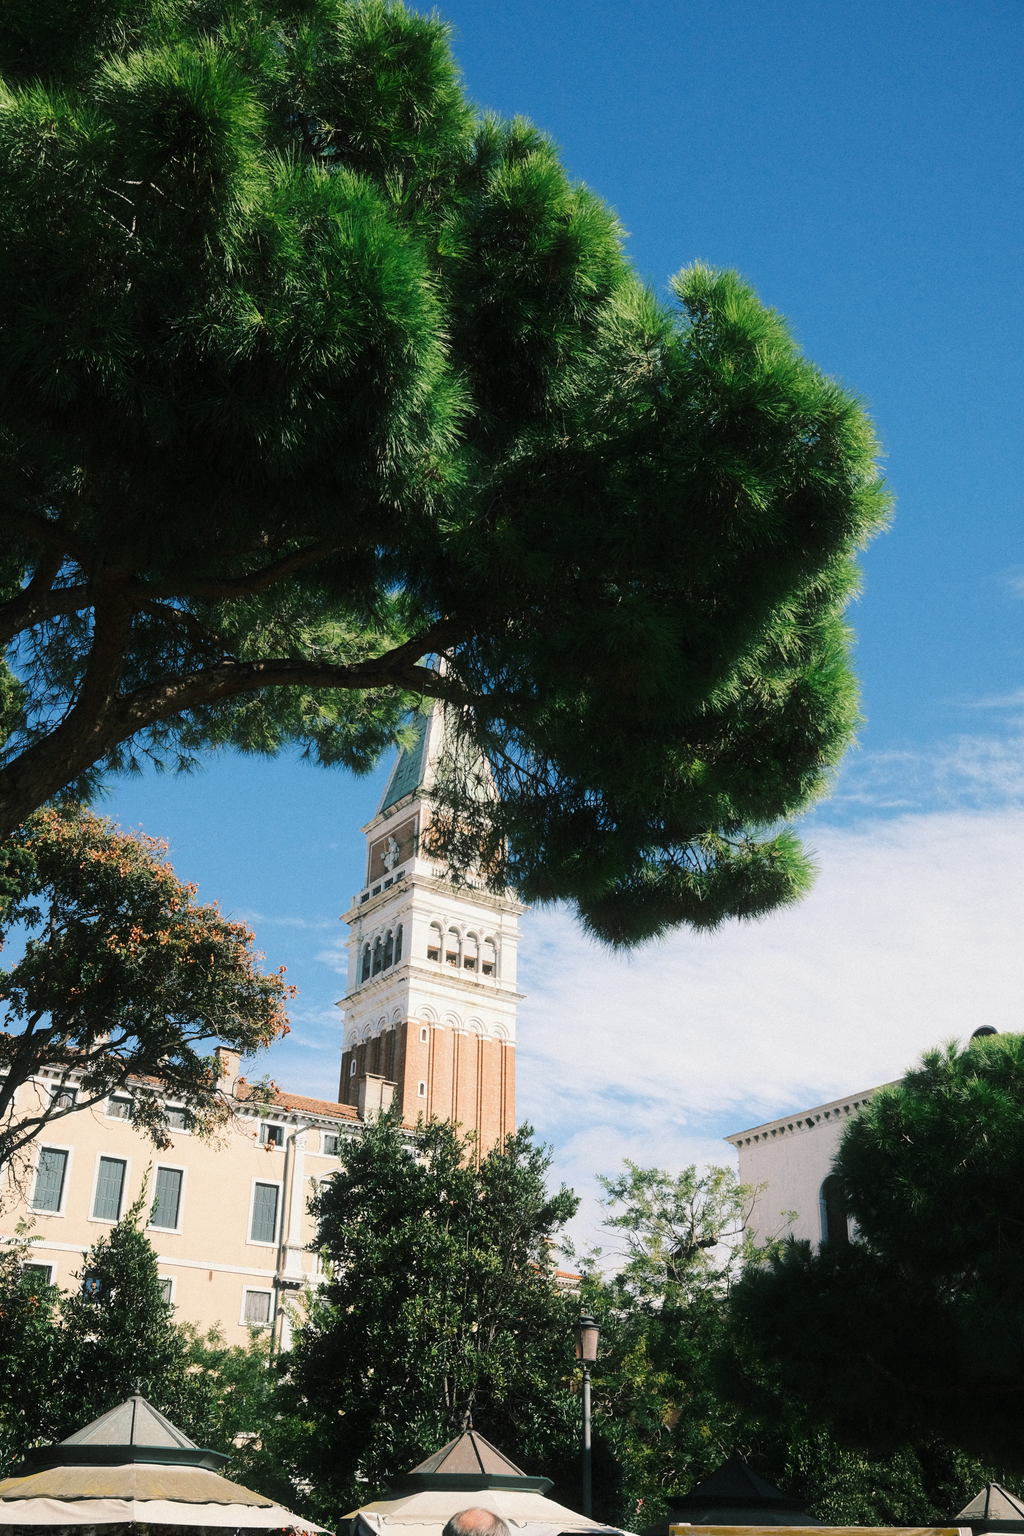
861	167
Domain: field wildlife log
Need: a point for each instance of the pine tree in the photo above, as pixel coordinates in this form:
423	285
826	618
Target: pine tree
118	1336
312	379
914	1332
31	1353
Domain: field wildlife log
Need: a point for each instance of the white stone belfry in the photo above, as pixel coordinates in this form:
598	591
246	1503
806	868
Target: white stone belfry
430	1011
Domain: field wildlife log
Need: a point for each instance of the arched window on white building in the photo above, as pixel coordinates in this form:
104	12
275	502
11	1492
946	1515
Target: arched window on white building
389	950
452	948
835	1220
470	952
435	942
365	976
378	956
489	958
398	943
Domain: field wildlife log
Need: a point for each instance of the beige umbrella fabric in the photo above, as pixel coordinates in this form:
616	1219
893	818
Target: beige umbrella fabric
132	1466
468	1472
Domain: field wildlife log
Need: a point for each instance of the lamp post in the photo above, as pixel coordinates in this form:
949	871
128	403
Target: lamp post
587	1333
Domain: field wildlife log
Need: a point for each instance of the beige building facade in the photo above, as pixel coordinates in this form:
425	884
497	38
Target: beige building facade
228	1217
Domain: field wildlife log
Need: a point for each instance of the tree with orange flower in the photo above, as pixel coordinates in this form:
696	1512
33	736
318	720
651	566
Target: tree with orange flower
125	983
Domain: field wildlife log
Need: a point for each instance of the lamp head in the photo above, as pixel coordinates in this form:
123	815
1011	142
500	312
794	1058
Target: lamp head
587	1333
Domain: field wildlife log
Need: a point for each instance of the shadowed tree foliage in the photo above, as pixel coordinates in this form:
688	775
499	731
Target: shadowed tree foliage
440	1303
66	1358
670	1405
915	1331
124	979
314	379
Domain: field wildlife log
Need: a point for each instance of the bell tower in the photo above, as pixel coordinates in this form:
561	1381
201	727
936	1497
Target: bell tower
430	1010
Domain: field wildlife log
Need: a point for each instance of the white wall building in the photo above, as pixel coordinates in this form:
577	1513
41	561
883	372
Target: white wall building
792	1159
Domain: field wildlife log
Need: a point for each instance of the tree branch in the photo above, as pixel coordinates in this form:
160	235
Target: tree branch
255	581
101	719
35	604
955	1389
52	534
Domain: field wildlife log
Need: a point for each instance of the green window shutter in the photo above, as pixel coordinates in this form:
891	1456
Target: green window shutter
257	1307
50	1173
167	1199
109	1188
264	1214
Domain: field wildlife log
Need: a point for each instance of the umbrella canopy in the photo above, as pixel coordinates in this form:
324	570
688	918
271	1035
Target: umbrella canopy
134	1466
469	1471
993	1509
734	1494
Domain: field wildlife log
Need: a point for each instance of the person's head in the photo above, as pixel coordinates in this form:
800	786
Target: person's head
476	1522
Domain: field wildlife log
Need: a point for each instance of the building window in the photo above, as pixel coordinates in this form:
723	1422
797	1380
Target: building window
264	1214
167	1288
424	1036
50	1171
421	1090
398	943
176	1117
366	963
120	1108
389	950
489	959
106	1205
63	1098
352	1067
835	1222
256	1308
435	942
167	1200
378	956
271	1135
43	1273
330	1143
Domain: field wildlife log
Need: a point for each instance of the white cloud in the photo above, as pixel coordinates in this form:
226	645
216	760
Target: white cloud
1000	700
336	957
974	772
307	924
912	935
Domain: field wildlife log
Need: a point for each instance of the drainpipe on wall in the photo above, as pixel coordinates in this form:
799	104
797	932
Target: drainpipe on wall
290	1275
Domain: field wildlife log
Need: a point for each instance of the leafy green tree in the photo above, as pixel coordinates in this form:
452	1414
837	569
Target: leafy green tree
245	1414
67	1358
31	1357
118	1335
914	1332
662	1423
664	1409
123	979
312	379
440	1304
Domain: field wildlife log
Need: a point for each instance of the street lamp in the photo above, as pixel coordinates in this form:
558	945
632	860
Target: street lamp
587	1333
